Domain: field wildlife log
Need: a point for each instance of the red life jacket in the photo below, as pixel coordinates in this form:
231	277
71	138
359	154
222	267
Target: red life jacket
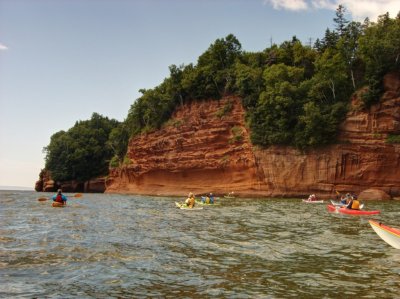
59	198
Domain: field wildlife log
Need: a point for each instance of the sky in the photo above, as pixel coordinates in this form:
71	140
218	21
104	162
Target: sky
62	60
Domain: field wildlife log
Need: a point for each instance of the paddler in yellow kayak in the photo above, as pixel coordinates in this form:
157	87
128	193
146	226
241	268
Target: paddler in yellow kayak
190	201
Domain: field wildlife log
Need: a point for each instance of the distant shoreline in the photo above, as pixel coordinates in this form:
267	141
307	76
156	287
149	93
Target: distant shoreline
16	188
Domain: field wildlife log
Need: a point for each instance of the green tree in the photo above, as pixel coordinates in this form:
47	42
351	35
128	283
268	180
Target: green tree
379	48
81	152
118	141
317	126
331	80
348	48
340	20
275	114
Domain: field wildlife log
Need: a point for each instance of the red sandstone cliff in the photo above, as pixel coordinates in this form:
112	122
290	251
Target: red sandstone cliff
201	149
204	150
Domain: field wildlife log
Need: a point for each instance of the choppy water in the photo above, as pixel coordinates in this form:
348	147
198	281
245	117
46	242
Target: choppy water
122	246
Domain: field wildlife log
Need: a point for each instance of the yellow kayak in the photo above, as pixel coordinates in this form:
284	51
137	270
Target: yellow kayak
183	206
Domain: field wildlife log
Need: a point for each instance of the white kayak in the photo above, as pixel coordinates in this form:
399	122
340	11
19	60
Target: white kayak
388	234
339	204
183	206
313	201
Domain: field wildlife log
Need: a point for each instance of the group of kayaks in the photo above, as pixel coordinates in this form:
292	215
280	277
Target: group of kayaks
198	206
388	234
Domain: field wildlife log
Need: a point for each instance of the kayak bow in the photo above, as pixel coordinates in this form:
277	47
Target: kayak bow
56	204
388	234
185	207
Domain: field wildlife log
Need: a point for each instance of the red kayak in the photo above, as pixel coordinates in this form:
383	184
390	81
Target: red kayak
344	210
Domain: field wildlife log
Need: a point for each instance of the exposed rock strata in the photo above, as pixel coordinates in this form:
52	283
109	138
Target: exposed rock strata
201	149
201	152
46	184
375	194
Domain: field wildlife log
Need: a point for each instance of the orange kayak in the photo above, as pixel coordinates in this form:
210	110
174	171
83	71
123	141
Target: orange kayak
58	204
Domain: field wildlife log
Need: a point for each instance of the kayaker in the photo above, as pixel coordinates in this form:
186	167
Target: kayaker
348	198
190	201
354	204
211	196
312	197
59	197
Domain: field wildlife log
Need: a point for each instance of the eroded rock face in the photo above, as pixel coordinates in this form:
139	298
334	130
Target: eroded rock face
373	194
204	149
342	168
46	184
96	185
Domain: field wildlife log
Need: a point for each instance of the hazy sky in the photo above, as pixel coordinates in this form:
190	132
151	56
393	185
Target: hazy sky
62	60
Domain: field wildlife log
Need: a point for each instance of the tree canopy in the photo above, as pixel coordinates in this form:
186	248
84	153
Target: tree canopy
81	152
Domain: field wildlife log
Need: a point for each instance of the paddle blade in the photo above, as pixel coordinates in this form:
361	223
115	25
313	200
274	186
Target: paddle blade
42	198
78	195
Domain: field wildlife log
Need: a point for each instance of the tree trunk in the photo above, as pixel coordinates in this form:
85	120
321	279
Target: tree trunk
332	86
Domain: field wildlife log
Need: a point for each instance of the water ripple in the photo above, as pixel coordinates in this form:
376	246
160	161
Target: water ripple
120	246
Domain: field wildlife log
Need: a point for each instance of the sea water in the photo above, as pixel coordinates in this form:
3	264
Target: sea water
129	246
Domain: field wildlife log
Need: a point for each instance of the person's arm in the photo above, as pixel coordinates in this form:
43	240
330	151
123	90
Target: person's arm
350	204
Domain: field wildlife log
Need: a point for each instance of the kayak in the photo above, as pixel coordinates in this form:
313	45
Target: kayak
58	204
343	210
388	234
313	201
339	204
183	206
199	202
207	204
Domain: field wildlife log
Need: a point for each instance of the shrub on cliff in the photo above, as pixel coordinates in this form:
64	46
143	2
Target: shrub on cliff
393	139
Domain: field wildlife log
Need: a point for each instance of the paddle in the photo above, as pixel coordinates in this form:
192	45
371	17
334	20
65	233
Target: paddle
78	195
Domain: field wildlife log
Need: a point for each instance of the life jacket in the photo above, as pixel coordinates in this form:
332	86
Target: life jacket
192	202
355	205
59	198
